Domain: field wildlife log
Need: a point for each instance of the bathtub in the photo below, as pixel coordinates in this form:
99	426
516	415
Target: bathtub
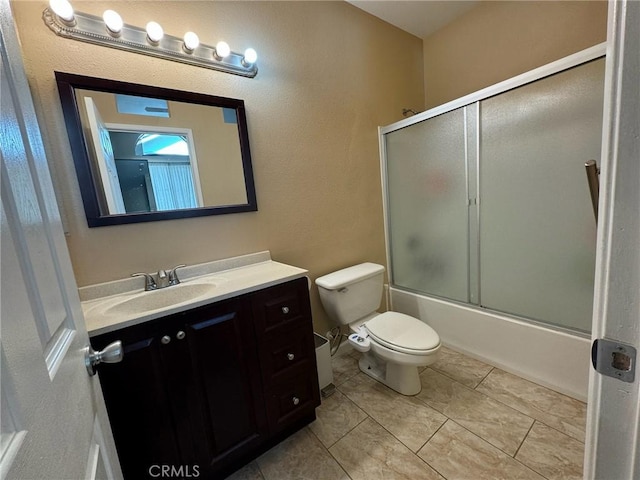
548	357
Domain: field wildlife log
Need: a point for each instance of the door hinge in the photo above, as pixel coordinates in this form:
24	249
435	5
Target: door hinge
614	359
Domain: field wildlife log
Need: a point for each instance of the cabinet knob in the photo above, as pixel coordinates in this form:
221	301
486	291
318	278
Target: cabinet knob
180	335
296	400
166	339
285	310
290	356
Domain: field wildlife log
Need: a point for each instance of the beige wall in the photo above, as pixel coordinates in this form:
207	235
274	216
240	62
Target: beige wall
329	76
498	40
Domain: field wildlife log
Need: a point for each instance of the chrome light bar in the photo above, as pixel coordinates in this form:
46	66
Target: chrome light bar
92	29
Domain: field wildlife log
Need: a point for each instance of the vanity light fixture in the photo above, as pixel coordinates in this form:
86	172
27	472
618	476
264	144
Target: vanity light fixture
191	42
113	22
110	31
154	33
64	11
222	50
250	57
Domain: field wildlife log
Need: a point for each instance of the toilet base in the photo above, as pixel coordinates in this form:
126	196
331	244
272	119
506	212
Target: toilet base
403	379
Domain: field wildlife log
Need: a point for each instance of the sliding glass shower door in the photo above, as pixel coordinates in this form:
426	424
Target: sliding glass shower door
537	228
428	207
488	203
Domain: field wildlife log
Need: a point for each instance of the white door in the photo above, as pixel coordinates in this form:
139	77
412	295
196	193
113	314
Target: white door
54	423
105	159
613	415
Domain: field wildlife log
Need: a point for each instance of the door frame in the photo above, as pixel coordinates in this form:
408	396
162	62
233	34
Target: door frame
613	411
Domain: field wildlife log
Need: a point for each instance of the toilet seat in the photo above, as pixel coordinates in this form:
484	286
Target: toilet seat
402	333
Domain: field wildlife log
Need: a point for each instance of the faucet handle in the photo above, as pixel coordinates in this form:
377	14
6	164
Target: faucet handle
149	282
173	275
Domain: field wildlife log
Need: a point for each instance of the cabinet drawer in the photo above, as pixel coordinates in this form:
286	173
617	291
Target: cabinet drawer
282	306
287	354
291	400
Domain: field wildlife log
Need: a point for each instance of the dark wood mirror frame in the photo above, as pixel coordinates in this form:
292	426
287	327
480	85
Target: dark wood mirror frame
68	83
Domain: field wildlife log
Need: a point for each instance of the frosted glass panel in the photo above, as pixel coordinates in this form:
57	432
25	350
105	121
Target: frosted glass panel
428	206
537	228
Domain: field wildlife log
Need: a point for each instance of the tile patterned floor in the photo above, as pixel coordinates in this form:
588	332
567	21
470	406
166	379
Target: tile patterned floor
471	421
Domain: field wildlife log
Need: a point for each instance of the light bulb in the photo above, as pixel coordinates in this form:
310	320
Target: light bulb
113	21
191	41
222	50
154	32
250	57
63	9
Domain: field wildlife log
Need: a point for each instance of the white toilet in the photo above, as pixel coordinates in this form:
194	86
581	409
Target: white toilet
394	345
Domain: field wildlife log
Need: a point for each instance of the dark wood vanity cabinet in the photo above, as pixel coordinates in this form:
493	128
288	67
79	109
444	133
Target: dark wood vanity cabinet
210	388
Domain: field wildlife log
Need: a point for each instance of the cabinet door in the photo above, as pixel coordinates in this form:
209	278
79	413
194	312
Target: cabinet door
221	344
138	406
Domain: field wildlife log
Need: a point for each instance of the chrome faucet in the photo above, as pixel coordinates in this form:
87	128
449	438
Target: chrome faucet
173	275
162	280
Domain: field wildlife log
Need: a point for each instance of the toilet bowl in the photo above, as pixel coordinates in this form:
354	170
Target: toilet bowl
394	345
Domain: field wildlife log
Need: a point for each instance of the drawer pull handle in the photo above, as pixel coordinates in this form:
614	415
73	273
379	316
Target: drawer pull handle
180	335
285	310
166	339
290	356
296	400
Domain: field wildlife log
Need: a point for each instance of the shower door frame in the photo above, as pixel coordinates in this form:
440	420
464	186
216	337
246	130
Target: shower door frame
470	105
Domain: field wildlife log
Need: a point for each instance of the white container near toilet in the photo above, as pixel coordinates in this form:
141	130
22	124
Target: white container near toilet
323	361
394	345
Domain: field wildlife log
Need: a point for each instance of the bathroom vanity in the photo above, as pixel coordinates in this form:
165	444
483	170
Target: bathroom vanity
211	382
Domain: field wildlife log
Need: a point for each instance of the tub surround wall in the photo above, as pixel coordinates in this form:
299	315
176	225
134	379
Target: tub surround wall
499	40
329	74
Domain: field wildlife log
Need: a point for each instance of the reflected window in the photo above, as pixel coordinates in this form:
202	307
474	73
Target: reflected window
158	144
155	170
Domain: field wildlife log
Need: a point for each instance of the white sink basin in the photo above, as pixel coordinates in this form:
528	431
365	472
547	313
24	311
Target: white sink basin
144	302
122	303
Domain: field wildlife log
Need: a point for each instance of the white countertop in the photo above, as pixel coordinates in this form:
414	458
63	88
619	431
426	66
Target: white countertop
256	271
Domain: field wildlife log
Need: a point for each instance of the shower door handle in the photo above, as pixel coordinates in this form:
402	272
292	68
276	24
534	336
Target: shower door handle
594	185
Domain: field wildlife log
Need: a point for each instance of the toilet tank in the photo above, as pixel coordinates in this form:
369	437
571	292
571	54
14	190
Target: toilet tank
351	293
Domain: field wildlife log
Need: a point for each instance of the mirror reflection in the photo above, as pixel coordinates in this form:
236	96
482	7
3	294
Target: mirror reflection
150	155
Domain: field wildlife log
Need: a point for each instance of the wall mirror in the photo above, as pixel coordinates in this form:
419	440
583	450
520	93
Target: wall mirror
146	153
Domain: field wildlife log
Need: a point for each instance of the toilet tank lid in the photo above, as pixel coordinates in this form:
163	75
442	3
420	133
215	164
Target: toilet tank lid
347	276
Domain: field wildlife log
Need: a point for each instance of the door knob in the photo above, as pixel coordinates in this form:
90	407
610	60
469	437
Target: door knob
112	353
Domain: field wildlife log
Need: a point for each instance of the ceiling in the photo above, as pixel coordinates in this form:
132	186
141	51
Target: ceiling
418	17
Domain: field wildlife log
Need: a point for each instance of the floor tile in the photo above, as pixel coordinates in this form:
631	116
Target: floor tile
459	454
494	422
335	417
461	368
250	471
407	418
344	367
369	452
563	413
301	456
552	454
